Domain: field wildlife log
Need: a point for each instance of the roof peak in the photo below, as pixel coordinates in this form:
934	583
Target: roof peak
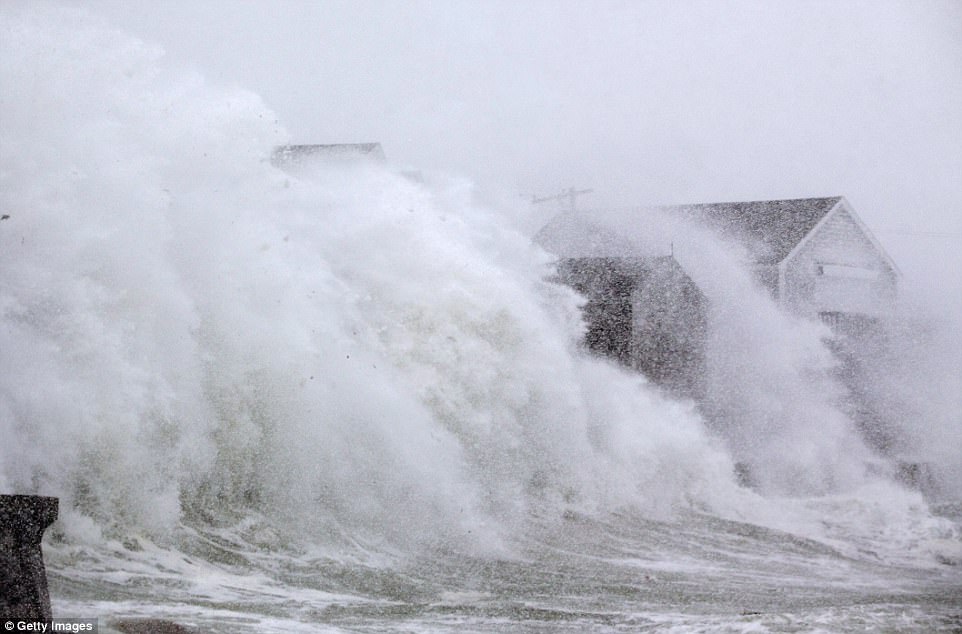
769	228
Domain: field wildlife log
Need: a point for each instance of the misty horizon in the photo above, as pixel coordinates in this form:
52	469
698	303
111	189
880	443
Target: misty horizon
648	103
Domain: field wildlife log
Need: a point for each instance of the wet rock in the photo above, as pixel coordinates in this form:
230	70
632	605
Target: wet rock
150	626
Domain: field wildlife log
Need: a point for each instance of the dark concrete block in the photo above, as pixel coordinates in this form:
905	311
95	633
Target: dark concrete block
23	579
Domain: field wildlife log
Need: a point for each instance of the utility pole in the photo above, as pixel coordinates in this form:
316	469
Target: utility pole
570	195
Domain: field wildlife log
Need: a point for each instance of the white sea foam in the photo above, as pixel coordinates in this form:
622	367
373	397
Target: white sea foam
186	325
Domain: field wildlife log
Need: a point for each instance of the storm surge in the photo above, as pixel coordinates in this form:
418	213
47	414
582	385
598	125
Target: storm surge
189	330
193	340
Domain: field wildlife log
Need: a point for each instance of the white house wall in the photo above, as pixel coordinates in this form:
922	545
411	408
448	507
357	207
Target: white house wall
839	269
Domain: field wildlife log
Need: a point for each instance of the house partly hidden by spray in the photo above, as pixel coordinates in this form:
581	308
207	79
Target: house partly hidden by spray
298	159
815	257
644	312
295	157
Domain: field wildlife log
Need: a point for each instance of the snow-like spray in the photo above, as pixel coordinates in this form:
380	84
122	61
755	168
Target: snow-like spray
188	330
192	338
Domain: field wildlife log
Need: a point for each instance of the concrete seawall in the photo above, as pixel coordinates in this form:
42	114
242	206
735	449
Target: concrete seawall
23	578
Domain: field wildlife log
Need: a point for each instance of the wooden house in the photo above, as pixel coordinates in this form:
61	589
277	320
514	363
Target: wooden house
815	255
295	157
643	312
818	259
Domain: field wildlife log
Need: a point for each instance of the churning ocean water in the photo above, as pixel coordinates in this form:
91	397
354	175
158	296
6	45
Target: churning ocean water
344	401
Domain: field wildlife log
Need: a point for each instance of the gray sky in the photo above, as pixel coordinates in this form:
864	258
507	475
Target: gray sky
647	102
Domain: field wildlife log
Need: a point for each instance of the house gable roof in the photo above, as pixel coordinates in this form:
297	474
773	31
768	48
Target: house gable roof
844	208
295	154
573	235
771	229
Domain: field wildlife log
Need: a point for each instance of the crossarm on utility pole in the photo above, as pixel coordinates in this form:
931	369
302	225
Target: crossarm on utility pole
570	195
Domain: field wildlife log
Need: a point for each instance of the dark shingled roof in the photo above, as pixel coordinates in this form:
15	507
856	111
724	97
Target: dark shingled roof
770	228
292	154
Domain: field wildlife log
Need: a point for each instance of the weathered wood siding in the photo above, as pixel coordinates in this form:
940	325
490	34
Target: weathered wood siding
644	313
669	330
838	270
607	285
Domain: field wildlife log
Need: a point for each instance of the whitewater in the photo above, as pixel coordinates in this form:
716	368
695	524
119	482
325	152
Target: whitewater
342	400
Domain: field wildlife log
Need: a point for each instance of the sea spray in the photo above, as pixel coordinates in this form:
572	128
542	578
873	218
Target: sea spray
275	401
911	374
770	389
188	329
